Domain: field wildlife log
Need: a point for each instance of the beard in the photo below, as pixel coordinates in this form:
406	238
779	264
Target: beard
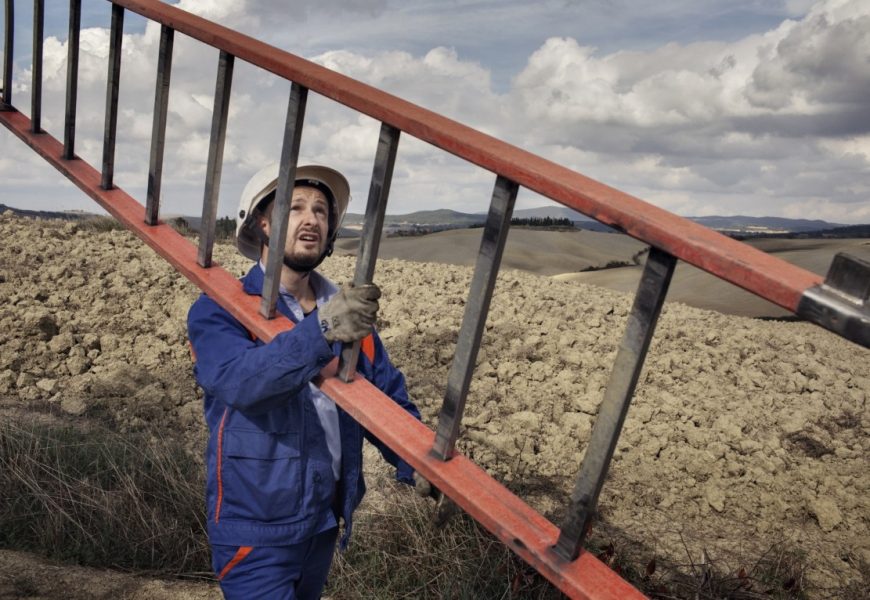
305	260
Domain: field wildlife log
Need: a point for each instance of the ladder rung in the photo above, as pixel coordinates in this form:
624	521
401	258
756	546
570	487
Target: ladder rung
36	85
8	46
158	128
112	85
72	79
639	330
376	207
223	86
296	104
476	308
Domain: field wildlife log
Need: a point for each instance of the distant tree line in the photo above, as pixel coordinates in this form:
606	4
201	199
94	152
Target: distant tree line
225	227
542	222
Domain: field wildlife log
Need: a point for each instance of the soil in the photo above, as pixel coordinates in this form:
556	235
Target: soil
743	433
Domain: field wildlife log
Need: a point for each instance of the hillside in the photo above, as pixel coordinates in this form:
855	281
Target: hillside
538	252
744	435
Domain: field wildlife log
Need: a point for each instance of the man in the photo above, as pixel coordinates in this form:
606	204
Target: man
284	463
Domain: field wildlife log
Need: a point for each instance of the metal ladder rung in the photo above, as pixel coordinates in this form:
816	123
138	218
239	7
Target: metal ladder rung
72	79
36	85
223	86
281	209
492	244
8	46
370	241
639	330
113	81
158	128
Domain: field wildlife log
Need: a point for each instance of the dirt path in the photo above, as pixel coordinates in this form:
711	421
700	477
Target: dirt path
23	575
743	433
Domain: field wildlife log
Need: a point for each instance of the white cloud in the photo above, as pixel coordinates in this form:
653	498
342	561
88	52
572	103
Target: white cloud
773	122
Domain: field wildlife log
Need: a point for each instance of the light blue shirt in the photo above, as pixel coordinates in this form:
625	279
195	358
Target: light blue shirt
326	410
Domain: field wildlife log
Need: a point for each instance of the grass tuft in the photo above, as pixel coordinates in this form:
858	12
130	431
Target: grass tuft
397	551
101	499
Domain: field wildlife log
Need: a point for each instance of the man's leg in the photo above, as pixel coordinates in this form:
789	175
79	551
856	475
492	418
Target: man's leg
296	572
317	563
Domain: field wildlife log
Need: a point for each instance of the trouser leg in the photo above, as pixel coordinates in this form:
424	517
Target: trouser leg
296	572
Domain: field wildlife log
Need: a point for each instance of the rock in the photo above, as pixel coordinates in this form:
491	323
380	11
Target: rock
73	405
7	381
24	380
90	341
43	326
76	365
715	496
577	425
826	512
62	342
47	385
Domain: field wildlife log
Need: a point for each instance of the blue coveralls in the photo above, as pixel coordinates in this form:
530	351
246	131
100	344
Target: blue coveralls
271	494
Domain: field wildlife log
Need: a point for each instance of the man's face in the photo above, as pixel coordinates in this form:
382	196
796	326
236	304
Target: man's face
307	226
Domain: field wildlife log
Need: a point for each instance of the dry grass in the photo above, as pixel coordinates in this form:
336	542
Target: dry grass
97	498
398	551
134	502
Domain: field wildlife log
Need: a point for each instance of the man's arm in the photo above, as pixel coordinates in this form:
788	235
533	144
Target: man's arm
234	370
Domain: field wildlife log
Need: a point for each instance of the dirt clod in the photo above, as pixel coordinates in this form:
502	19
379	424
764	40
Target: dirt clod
741	431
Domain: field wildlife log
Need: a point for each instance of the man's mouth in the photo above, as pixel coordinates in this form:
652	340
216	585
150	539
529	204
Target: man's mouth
309	237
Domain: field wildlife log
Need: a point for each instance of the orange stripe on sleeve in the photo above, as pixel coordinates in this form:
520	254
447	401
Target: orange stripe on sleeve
220	483
368	347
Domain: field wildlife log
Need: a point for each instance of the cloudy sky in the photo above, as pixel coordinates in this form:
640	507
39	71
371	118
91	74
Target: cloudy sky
756	107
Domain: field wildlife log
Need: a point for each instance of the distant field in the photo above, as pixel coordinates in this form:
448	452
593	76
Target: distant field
539	252
697	288
563	255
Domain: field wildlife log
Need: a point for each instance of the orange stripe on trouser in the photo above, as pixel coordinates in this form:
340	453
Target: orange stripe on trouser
242	552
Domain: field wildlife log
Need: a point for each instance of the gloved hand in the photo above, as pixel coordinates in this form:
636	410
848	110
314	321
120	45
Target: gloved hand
445	508
425	489
350	314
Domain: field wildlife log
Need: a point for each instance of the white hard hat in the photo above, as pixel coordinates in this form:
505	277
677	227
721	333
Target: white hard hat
265	181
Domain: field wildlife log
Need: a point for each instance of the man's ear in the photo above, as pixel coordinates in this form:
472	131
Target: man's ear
264	224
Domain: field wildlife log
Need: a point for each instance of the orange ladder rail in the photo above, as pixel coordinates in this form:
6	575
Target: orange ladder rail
839	303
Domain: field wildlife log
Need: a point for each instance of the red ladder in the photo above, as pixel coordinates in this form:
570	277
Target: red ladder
839	303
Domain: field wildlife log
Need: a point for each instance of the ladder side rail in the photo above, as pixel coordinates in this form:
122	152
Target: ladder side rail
113	80
524	530
158	126
492	244
626	370
8	45
370	239
36	71
72	78
223	87
767	276
296	103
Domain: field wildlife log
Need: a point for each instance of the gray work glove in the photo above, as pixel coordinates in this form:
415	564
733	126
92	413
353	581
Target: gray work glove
445	508
350	314
425	489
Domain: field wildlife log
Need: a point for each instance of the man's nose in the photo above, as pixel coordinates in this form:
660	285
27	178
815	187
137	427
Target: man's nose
309	217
